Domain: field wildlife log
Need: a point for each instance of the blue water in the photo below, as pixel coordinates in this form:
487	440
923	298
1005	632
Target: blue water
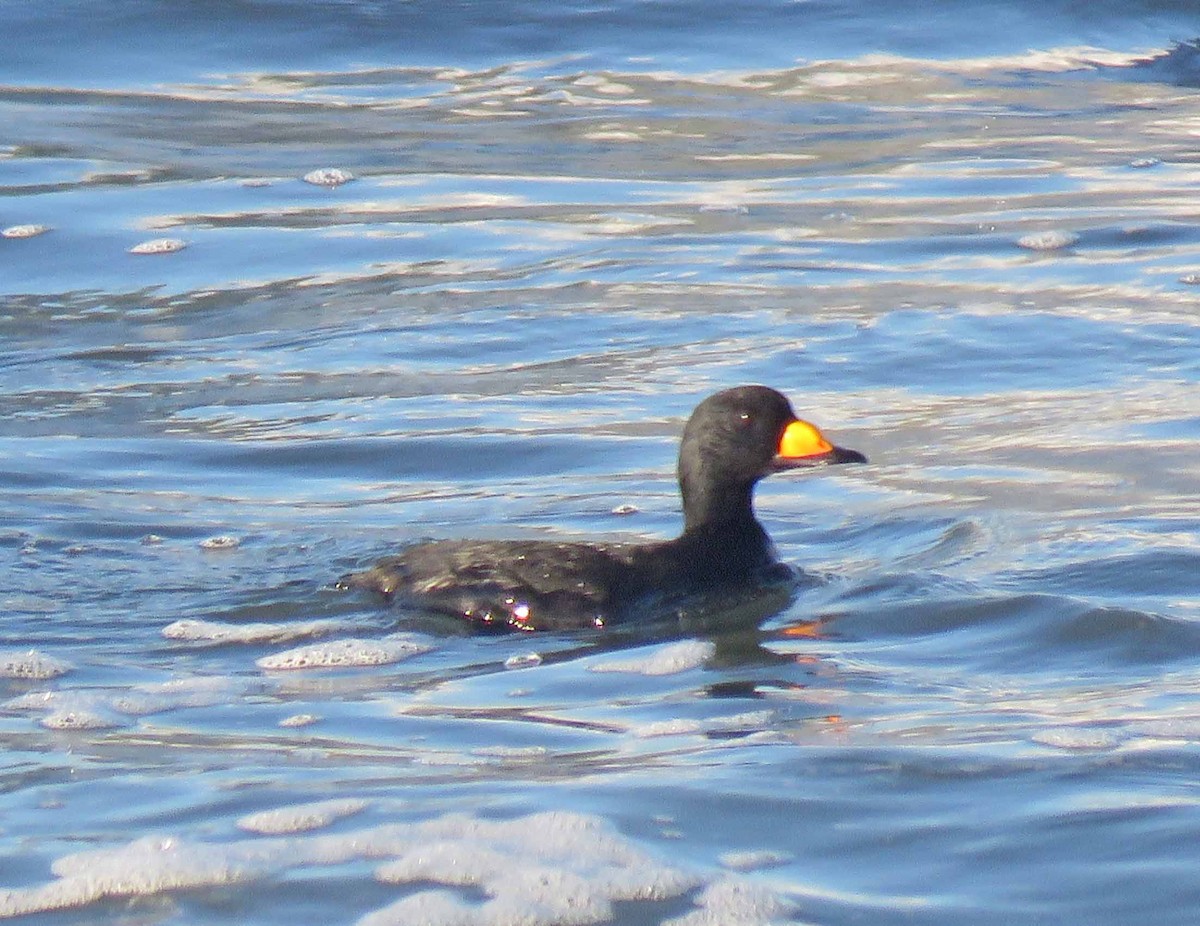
961	238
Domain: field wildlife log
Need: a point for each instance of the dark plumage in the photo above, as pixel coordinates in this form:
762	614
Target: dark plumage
732	440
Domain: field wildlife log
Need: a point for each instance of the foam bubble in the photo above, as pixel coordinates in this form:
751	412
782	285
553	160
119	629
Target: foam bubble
81	718
345	653
24	231
219	632
328	177
663	660
300	720
745	723
222	542
301	817
429	908
753	860
512	753
159	246
677	726
446	862
736	902
1076	738
31	664
67	710
523	661
1047	240
177	693
36	700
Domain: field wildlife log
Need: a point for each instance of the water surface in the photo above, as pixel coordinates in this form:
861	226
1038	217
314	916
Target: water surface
964	241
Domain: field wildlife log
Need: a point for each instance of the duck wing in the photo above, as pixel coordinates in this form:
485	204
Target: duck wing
522	585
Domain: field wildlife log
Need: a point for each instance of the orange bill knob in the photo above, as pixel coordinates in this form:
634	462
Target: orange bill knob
803	444
801	439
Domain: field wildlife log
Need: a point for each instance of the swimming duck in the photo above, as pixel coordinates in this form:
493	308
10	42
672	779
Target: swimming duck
732	440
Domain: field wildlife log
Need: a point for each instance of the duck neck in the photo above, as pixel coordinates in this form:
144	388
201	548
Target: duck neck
722	541
717	507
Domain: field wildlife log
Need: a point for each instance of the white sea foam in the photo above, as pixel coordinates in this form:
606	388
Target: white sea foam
147	866
676	726
300	720
429	908
747	722
301	817
328	177
450	862
79	718
1076	738
220	542
36	701
662	660
93	710
24	231
511	753
220	632
67	710
159	246
523	661
752	860
345	654
202	691
31	664
1047	240
546	869
737	902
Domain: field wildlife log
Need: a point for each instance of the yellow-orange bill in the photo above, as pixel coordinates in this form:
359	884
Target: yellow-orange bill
801	439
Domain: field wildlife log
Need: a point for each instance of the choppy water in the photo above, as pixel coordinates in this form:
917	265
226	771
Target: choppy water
963	240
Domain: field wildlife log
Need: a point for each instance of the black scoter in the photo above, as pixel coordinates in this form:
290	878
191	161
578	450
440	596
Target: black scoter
732	440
